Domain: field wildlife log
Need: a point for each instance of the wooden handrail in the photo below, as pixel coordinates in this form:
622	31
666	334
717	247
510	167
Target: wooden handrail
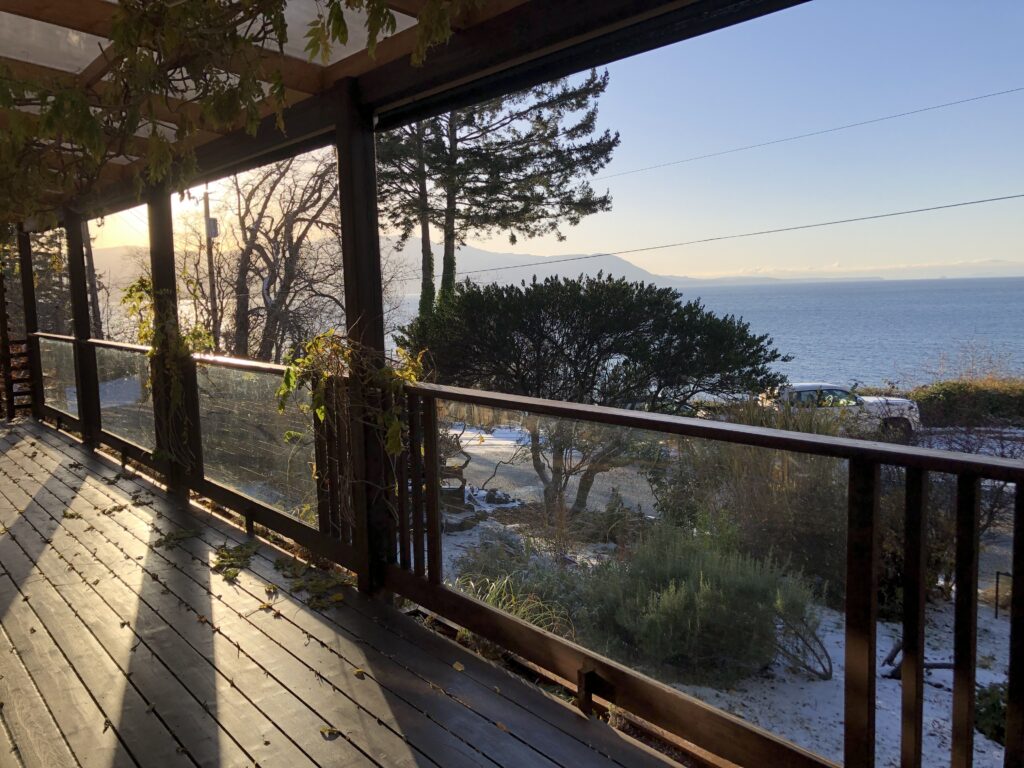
122	345
240	363
53	336
929	459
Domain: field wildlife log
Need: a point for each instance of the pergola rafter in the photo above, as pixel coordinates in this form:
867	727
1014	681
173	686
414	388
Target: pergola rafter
96	17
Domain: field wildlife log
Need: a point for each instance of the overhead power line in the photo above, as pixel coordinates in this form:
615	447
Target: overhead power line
757	233
812	133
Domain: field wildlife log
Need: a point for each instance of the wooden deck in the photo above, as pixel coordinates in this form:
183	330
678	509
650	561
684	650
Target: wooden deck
121	646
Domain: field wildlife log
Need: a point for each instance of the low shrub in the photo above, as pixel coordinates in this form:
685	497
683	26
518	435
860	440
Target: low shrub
508	594
681	607
677	606
764	503
618	523
990	712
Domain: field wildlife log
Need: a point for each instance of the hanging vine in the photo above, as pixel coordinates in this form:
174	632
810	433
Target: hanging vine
331	357
212	64
171	354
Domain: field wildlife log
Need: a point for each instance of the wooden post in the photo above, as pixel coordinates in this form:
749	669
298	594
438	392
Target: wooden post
90	275
86	379
965	619
915	554
1014	756
5	343
861	614
432	462
28	295
364	317
175	407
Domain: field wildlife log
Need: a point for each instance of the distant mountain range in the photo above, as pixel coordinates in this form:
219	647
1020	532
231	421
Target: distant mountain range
487	266
119	266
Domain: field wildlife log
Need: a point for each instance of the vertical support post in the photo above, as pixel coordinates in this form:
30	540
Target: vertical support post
1014	755
87	381
915	550
5	343
861	613
175	390
416	473
90	275
432	460
28	294
965	619
364	317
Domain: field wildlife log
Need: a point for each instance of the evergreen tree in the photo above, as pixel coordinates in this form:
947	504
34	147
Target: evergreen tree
592	340
517	164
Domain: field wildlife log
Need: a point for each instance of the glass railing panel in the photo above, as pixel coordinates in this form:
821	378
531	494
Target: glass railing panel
252	447
126	395
57	361
718	569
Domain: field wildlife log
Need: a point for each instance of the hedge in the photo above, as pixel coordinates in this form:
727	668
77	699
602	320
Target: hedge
965	402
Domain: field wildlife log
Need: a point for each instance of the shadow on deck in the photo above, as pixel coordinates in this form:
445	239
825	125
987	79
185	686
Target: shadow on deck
122	645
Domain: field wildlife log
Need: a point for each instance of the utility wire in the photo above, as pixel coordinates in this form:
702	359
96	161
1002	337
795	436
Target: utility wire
812	133
757	233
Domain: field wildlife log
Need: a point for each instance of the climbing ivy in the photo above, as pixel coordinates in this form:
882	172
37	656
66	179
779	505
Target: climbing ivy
330	356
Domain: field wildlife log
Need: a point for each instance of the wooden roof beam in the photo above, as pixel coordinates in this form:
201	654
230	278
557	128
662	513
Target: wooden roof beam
402	43
539	41
408	7
98	67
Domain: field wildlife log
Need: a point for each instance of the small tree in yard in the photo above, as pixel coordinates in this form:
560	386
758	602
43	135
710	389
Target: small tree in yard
595	340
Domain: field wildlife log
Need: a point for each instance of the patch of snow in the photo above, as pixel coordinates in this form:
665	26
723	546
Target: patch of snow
810	712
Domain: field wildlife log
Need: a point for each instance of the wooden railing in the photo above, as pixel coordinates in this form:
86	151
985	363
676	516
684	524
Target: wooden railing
332	538
415	562
418	575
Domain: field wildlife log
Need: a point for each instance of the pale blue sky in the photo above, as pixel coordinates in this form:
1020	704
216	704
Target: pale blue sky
821	64
818	65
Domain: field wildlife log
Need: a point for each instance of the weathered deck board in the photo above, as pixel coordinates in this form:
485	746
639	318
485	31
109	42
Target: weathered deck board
309	679
525	709
33	730
187	652
230	680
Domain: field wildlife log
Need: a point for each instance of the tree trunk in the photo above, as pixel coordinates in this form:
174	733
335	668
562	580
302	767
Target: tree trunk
600	463
242	303
450	194
427	291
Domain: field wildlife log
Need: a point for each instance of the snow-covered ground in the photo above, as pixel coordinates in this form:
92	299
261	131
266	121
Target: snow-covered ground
511	444
810	712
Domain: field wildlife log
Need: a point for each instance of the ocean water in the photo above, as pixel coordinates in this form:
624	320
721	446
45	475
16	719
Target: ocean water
873	332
